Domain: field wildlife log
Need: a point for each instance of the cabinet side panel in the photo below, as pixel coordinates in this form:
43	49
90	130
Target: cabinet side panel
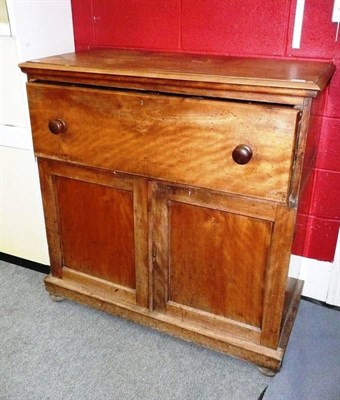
97	230
276	276
218	262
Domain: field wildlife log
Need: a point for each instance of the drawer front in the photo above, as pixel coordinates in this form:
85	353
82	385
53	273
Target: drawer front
177	139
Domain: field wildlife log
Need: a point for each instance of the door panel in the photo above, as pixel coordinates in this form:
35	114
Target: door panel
97	230
215	264
209	259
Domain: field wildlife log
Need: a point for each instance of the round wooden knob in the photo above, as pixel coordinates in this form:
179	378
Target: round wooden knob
57	126
242	154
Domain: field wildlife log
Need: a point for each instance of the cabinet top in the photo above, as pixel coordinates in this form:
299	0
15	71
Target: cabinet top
254	72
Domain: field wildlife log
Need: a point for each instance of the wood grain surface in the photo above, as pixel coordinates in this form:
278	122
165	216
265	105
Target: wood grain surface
291	74
97	230
97	226
181	140
215	263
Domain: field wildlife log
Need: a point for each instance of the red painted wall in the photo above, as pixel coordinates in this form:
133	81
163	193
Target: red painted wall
254	28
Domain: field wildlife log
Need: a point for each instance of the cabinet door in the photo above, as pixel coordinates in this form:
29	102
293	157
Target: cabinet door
97	229
213	261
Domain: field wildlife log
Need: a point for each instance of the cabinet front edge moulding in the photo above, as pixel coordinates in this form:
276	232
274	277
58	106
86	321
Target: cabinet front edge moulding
218	76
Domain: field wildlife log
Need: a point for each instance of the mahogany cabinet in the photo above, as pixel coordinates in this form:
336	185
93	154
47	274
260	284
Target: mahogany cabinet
170	185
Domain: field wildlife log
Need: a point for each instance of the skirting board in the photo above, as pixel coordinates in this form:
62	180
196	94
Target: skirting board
44	269
322	279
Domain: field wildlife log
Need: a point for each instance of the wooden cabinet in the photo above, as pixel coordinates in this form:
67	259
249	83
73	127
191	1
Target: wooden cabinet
170	185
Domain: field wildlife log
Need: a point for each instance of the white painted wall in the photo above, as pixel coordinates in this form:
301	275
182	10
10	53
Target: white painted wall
322	279
316	275
4	22
39	28
22	223
12	92
333	294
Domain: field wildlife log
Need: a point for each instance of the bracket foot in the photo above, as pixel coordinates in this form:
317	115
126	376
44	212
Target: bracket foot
266	371
56	298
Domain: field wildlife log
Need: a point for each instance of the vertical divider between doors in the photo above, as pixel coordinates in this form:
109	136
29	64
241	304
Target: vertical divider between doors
141	241
159	246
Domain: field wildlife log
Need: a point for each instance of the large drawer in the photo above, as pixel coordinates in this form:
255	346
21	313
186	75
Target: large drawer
178	139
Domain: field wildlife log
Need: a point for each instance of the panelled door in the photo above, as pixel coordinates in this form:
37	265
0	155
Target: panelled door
211	256
97	228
